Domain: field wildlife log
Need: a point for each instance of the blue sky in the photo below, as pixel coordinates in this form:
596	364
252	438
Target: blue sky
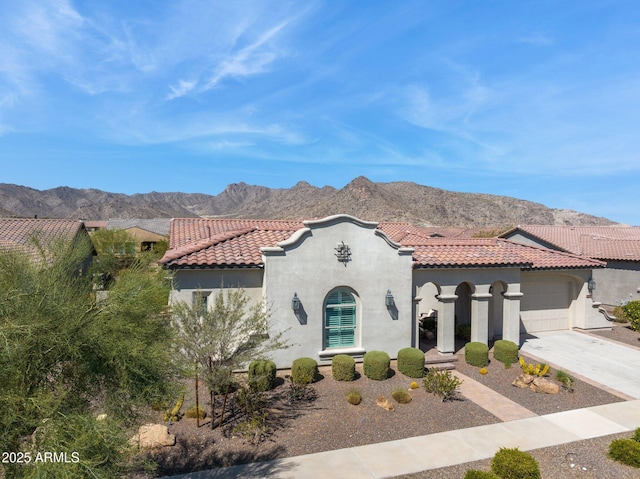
538	100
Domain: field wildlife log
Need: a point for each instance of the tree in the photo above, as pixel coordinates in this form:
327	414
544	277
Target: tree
66	357
223	338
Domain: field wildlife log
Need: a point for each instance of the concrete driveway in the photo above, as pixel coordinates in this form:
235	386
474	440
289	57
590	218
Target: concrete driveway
595	359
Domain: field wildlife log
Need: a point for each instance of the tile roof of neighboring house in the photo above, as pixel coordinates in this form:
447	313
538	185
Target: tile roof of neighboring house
620	243
17	233
198	242
158	225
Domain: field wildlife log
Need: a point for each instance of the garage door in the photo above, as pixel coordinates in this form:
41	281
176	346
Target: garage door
545	306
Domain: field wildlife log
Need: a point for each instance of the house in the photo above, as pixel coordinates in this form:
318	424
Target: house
344	285
618	246
23	234
147	232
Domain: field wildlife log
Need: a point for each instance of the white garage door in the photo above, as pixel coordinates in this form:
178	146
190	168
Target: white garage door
545	306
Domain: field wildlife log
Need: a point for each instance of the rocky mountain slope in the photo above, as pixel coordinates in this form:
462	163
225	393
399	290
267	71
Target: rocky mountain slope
395	201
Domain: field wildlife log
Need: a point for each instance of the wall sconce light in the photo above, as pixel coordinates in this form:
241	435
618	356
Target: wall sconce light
388	299
591	284
295	302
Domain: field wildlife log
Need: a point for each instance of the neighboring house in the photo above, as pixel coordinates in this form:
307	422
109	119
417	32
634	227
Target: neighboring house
618	246
343	285
22	234
147	232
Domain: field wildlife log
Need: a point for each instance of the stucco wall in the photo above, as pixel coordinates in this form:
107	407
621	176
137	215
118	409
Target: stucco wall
618	283
308	266
188	281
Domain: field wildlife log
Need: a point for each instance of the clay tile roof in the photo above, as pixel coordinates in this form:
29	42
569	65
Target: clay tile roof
17	233
495	252
620	243
200	242
197	242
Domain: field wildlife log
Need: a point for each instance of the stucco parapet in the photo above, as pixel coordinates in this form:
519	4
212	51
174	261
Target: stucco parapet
333	219
295	238
272	251
482	296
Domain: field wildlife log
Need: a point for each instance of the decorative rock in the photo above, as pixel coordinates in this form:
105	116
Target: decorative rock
153	435
384	403
523	381
541	385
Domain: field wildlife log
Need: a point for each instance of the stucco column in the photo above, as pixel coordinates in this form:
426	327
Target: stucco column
446	343
480	317
511	316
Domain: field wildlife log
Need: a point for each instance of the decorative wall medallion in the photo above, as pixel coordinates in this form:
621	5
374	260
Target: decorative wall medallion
343	253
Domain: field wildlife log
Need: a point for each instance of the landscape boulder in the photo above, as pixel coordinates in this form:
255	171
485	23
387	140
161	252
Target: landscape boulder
153	435
544	386
523	381
384	403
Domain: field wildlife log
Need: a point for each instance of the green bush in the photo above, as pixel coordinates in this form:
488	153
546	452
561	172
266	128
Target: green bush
626	451
411	362
304	371
401	395
505	351
441	383
463	331
476	354
514	464
566	380
262	375
477	474
343	368
632	313
376	365
636	435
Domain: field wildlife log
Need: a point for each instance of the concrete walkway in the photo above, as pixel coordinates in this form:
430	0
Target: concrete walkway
592	358
406	456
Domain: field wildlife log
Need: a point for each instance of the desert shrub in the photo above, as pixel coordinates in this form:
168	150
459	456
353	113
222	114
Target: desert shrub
411	362
262	375
566	380
484	371
636	435
343	368
253	429
354	397
619	314
401	395
538	369
463	331
441	383
625	451
505	351
414	385
632	313
514	464
194	412
376	365
477	474
304	371
476	354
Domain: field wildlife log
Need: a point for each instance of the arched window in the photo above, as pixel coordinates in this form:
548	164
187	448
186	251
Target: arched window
340	319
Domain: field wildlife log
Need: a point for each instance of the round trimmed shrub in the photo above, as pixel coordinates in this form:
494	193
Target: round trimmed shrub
477	474
376	365
505	351
625	451
411	362
194	412
401	396
262	375
304	371
476	354
343	368
514	464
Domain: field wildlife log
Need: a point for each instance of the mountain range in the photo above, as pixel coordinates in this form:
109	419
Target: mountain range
394	201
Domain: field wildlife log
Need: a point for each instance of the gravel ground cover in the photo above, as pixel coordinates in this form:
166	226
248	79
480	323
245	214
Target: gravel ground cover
325	421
